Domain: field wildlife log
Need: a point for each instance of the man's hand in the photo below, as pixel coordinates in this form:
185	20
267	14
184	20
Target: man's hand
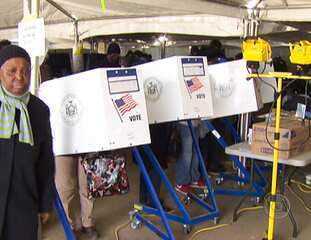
44	217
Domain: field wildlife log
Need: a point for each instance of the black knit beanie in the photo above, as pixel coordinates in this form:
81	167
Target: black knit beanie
13	51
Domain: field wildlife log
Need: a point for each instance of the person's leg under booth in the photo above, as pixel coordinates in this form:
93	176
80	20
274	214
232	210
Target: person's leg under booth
66	183
187	169
70	179
86	203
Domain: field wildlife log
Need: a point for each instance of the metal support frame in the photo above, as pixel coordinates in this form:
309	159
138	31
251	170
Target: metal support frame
160	212
251	27
276	152
69	15
209	204
61	9
257	186
233	131
62	216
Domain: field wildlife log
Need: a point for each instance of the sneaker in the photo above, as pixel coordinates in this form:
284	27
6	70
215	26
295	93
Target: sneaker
90	232
183	189
198	184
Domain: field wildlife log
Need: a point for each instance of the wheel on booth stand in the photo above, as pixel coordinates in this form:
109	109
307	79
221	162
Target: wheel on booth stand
135	223
187	228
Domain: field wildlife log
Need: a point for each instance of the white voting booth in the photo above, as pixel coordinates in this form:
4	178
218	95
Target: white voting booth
232	92
97	110
266	91
177	88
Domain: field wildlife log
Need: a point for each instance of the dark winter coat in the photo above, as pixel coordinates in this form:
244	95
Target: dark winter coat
26	176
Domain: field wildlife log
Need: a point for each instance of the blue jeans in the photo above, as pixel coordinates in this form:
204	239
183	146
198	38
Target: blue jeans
187	165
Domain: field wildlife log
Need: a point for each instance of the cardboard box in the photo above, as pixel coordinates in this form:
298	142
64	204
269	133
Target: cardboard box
293	136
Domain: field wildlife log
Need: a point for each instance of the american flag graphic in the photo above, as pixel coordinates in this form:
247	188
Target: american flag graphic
125	104
194	84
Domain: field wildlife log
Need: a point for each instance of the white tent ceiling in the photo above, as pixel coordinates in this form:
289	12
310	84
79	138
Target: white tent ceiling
221	18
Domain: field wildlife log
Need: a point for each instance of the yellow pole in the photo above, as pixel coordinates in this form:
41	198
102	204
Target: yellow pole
279	76
275	162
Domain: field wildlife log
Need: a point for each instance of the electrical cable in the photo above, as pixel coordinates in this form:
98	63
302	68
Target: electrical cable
224	224
249	209
269	84
301	183
269	117
301	186
118	228
264	68
307	208
276	96
279	149
209	229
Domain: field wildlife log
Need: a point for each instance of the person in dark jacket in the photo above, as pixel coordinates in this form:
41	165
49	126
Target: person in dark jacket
109	60
26	156
160	137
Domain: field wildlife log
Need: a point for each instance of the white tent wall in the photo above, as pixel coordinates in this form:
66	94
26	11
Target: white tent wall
118	14
196	17
203	24
117	9
289	10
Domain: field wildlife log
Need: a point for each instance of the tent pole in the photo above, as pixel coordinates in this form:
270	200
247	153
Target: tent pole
77	59
31	11
77	54
34	59
27	7
61	9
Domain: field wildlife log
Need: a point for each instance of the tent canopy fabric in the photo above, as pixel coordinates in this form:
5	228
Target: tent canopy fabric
219	18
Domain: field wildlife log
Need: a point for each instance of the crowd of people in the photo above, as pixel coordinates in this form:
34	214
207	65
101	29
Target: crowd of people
29	172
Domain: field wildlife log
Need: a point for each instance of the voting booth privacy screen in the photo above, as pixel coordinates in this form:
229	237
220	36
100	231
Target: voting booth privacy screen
232	92
177	88
96	110
266	91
